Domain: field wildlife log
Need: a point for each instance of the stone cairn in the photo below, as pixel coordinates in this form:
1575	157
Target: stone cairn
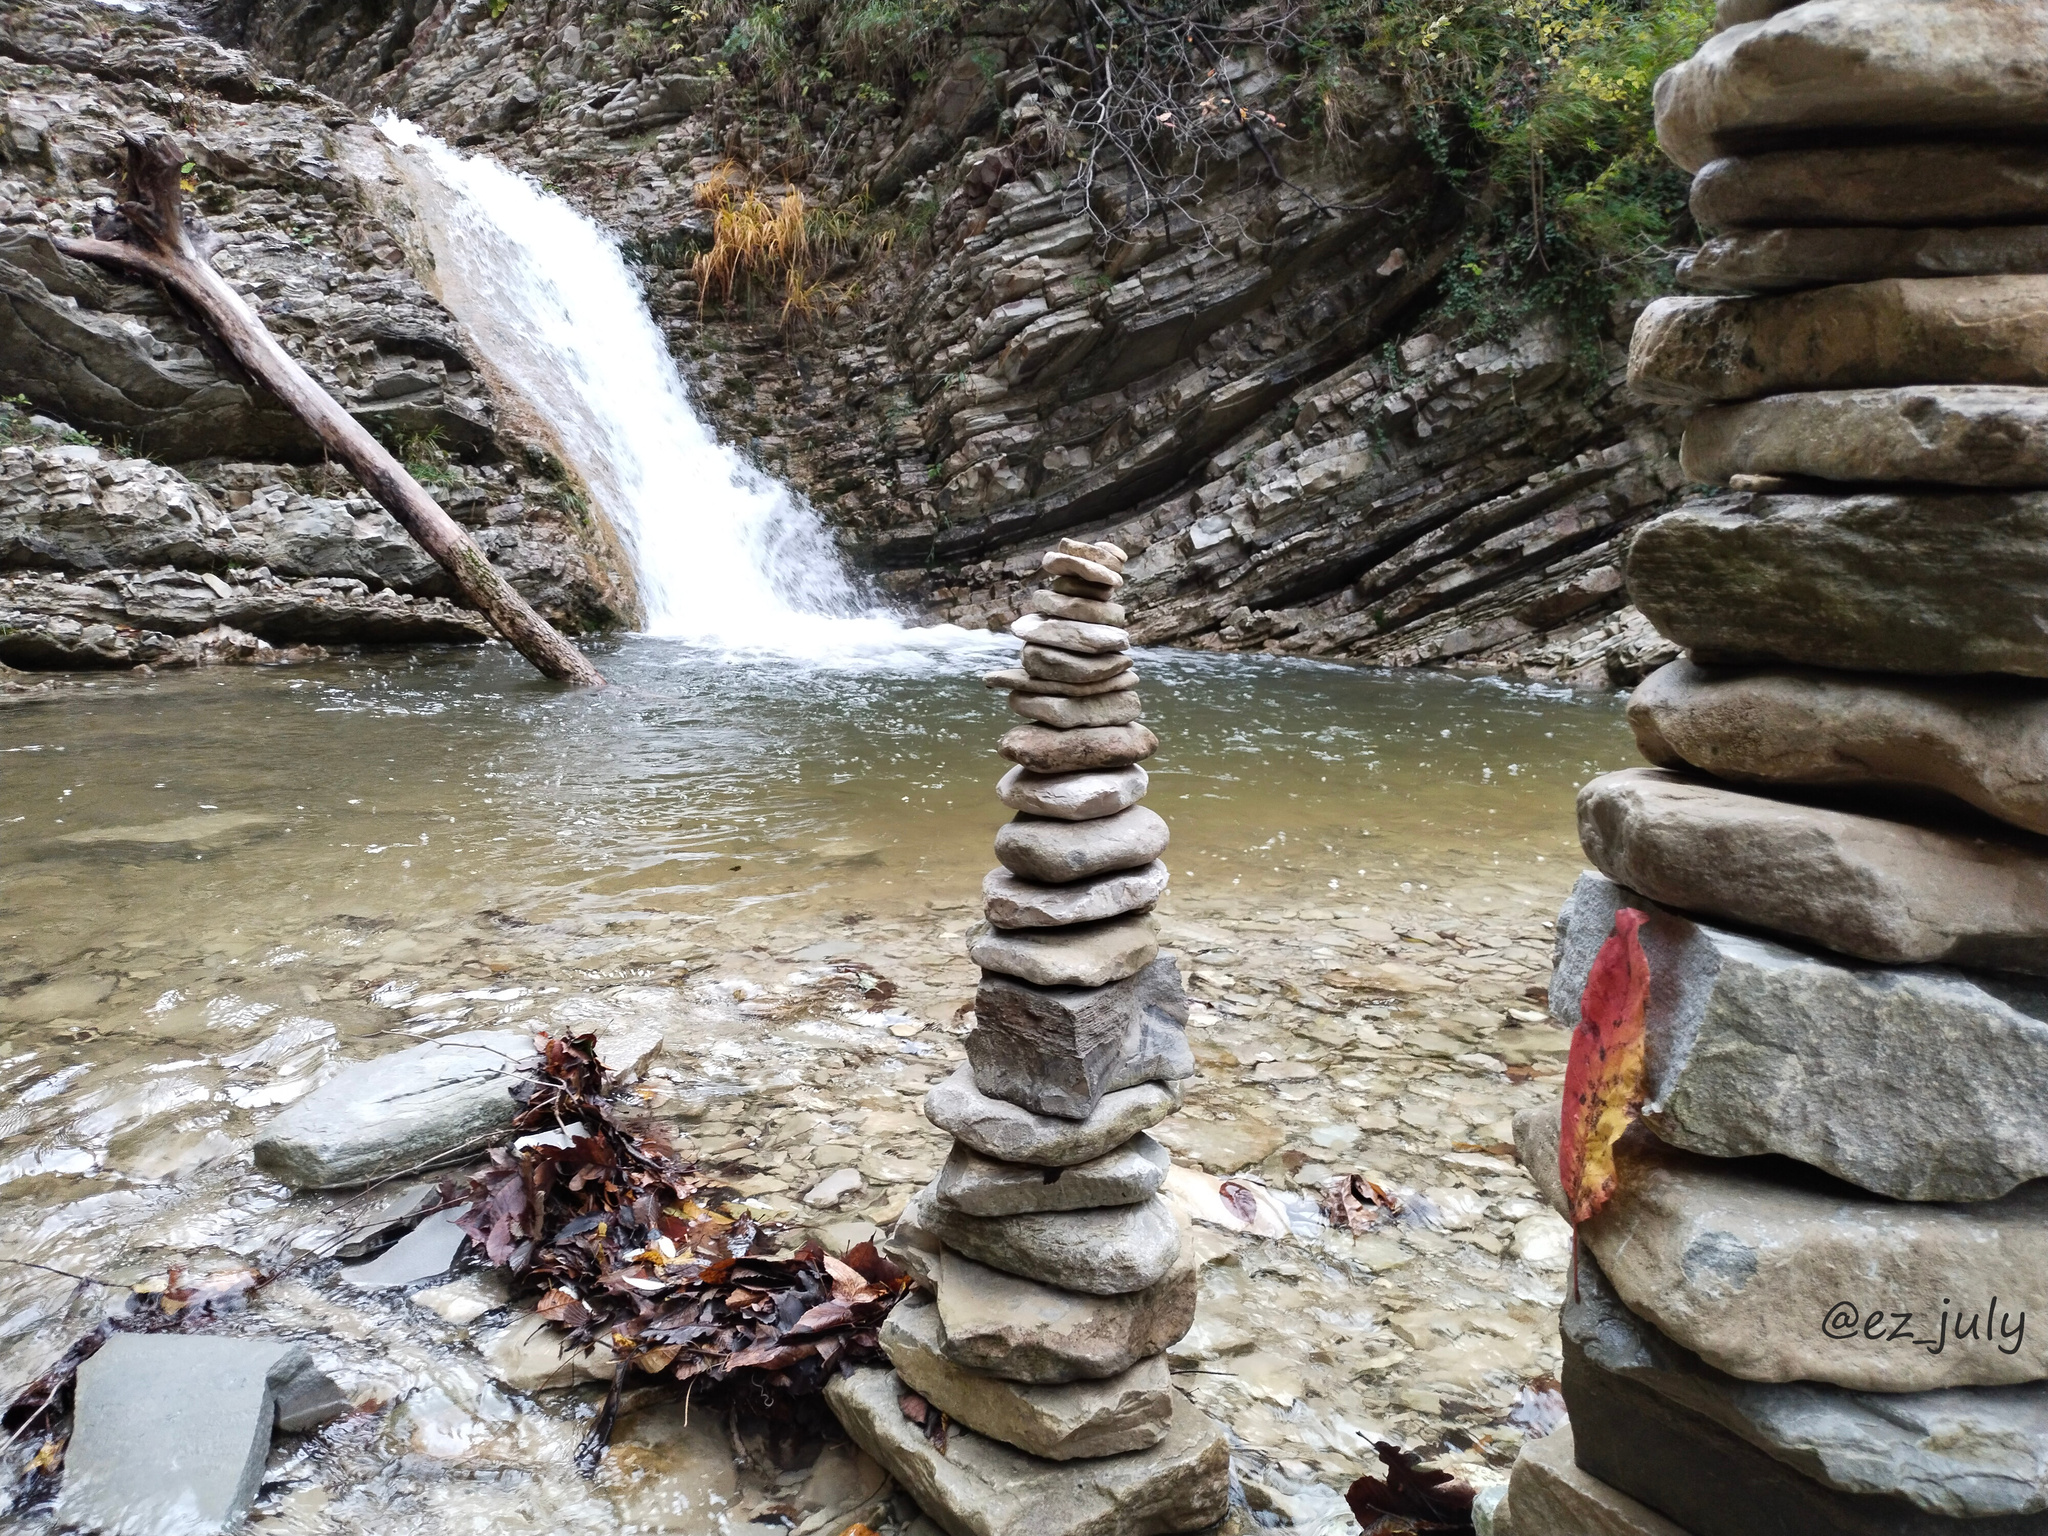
1818	1299
1054	1276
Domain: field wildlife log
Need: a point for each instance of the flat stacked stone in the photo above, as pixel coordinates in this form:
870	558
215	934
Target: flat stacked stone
1053	1276
1817	1297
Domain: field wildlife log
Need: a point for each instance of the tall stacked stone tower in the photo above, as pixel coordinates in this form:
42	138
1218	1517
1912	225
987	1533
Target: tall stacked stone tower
1029	1395
1818	1300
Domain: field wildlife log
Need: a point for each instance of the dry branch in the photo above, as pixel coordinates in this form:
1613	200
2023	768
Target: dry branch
146	237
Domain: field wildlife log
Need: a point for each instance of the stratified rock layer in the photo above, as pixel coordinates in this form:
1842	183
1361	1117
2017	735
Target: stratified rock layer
1920	1084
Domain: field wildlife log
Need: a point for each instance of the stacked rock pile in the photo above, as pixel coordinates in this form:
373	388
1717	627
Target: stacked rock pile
1818	1300
1054	1276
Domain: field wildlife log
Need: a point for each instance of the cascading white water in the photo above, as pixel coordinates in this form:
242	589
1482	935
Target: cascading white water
723	554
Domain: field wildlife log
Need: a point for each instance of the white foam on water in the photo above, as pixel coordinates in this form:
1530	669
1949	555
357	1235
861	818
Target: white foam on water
724	555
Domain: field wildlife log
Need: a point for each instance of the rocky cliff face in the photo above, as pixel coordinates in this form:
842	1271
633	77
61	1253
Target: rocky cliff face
1259	407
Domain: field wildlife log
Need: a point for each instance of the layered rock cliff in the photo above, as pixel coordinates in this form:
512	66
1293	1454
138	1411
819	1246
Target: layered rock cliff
1264	407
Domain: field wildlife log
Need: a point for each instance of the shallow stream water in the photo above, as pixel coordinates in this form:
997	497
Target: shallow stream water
216	887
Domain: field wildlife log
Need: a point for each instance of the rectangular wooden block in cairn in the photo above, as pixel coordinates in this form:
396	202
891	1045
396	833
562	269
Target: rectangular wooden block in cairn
1056	1275
1840	850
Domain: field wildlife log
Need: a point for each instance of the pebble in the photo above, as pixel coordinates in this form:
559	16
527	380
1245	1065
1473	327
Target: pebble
1084	795
1010	902
1119	708
1054	852
1084	955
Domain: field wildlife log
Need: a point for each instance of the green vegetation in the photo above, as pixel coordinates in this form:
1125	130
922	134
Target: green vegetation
17	425
1540	110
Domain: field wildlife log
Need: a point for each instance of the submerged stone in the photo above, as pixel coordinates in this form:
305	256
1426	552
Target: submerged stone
1126	1412
1024	1330
1920	1084
1055	851
1109	1251
1772	1272
1013	1134
398	1113
1009	902
1891	891
428	1250
981	1487
1059	1050
1085	955
170	1431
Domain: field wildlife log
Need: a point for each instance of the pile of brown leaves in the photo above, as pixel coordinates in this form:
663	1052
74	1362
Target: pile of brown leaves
1410	1499
630	1247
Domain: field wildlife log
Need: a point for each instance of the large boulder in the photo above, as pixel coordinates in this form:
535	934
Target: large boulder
1982	742
1920	1084
1991	435
401	1112
1852	1461
1841	68
1896	892
1926	582
1940	184
1776	260
1772	1272
1948	330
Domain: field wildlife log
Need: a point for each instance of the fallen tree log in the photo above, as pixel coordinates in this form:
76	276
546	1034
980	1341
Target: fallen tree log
146	237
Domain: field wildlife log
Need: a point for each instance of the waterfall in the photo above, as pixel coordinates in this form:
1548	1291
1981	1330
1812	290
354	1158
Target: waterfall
723	554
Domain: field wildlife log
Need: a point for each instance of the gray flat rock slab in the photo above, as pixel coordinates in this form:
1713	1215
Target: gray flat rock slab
1081	796
1965	1454
1550	1496
980	1186
1842	68
1044	749
1081	955
1926	582
1948	330
1019	681
1920	1084
171	1431
1983	743
1071	634
1053	851
999	1129
1942	184
1058	666
981	1487
1895	892
1126	1412
401	1112
1060	1050
1778	260
1057	605
1023	1330
1990	435
1772	1272
1010	902
1109	1251
1119	707
427	1251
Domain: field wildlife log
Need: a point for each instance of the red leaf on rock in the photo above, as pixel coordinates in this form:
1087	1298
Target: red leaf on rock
1603	1077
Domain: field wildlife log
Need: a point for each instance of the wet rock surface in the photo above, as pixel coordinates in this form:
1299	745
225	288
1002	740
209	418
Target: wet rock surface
1915	1083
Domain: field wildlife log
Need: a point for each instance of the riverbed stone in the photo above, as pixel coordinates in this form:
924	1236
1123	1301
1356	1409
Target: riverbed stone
1060	1050
1896	331
1778	260
1920	1083
1550	1496
1927	582
1118	708
1054	851
1991	435
1060	666
1983	743
1126	1412
1083	955
1044	749
1023	1330
1013	1134
1057	605
531	1355
1017	680
1897	892
425	1252
1083	796
982	1186
1071	634
1109	1251
980	1487
1009	902
170	1431
1917	1460
1774	1272
1920	184
1841	68
399	1113
1059	562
